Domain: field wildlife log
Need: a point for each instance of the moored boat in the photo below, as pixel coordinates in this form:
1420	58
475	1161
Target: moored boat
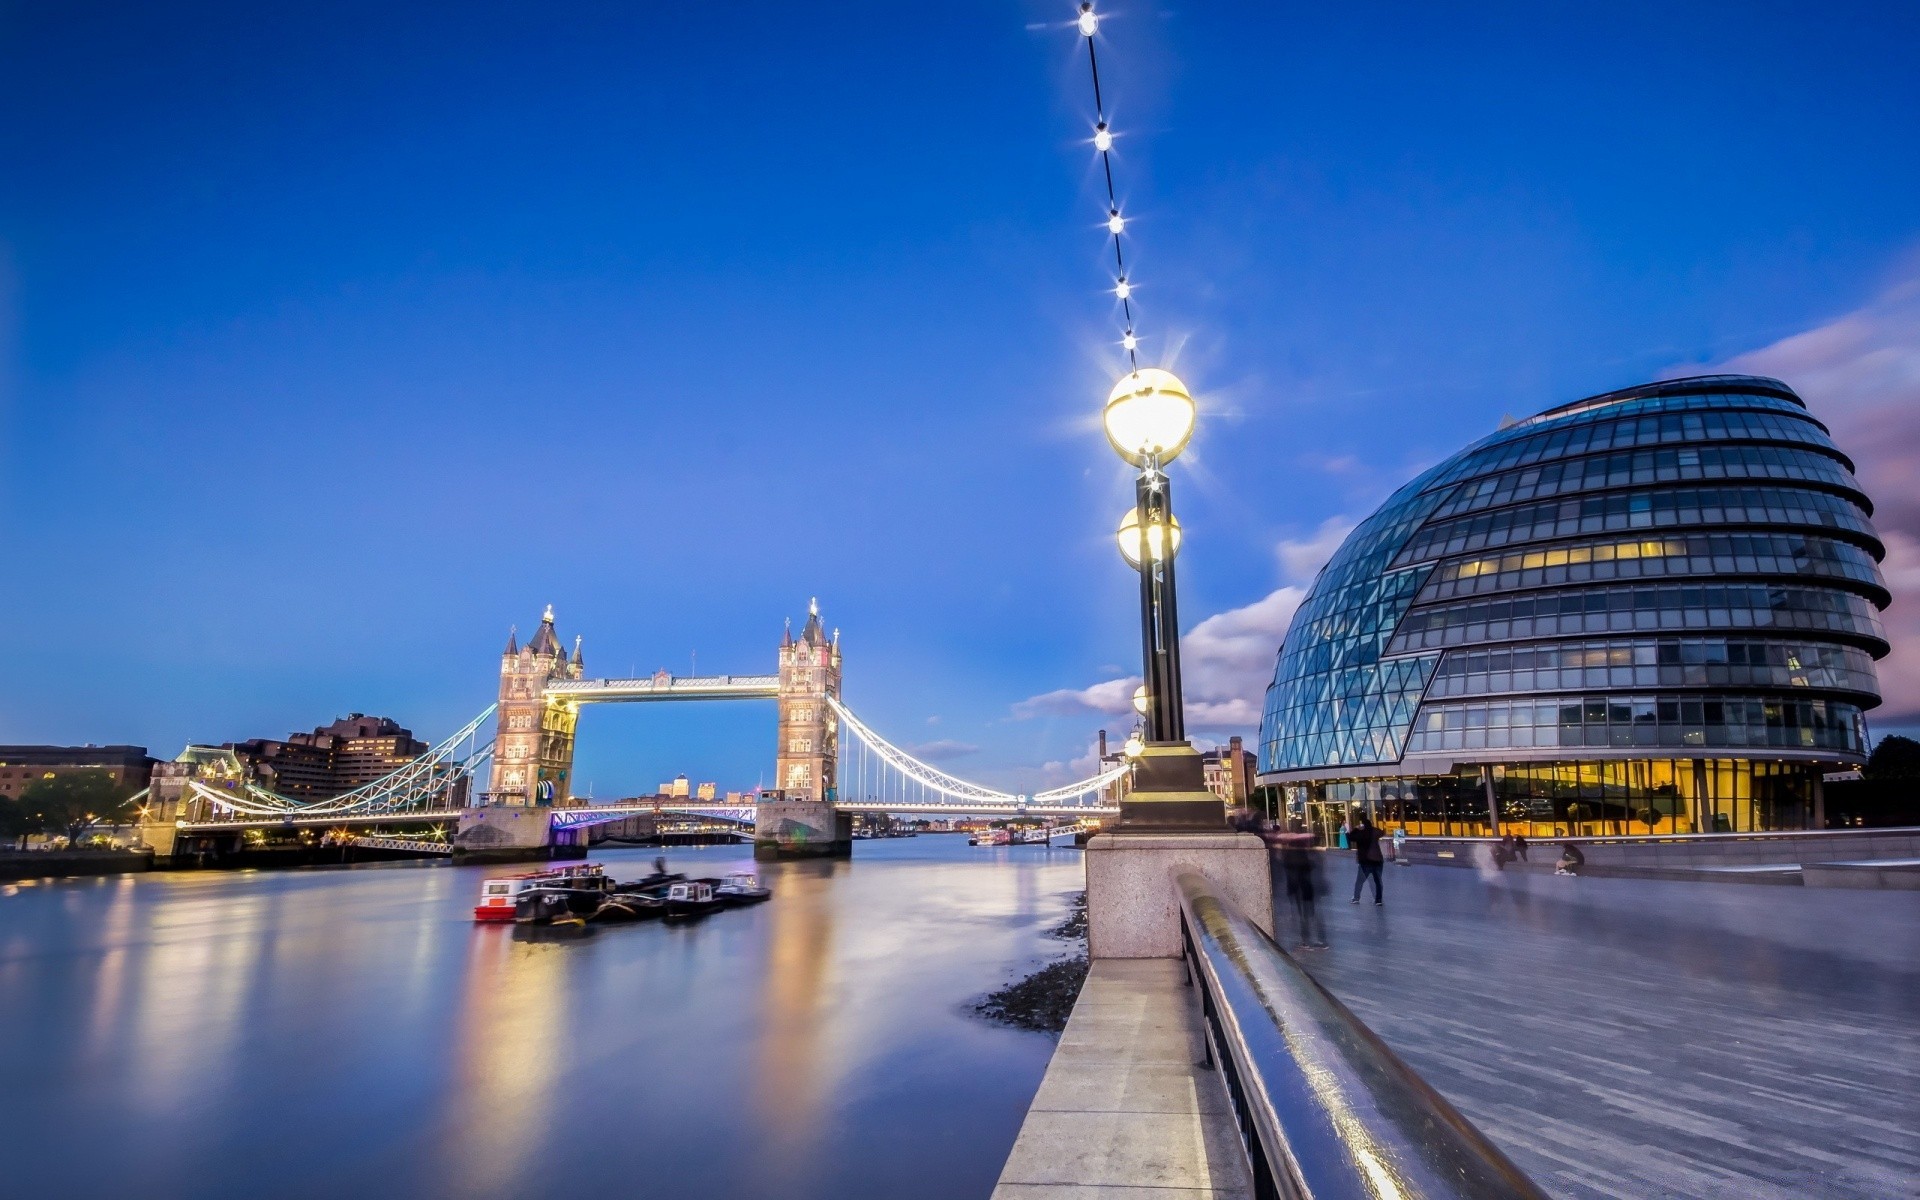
691	898
621	906
742	887
500	896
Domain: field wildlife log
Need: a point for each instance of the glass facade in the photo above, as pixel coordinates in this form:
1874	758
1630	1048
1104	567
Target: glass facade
1653	611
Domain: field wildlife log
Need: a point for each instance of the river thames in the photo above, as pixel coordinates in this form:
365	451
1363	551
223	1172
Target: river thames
353	1032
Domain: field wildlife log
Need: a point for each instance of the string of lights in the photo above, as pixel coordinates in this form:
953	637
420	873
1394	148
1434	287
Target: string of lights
1089	25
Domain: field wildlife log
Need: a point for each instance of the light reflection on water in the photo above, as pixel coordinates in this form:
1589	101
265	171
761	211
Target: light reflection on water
327	1033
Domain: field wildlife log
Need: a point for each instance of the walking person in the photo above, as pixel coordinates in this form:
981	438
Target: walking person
1297	866
1365	840
1400	844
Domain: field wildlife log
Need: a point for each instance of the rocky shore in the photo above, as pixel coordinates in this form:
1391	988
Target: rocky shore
1043	1000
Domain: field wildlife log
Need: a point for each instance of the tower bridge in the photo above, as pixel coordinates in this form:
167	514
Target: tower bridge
828	764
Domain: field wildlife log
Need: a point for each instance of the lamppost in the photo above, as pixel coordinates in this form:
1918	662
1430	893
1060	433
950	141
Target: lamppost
1149	418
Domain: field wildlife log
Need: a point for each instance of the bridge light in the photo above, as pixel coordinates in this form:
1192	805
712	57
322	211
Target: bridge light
1089	21
1156	544
1130	342
1116	224
1123	289
1149	416
1140	699
1102	138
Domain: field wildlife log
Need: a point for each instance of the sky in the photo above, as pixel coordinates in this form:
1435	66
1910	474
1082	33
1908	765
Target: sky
337	339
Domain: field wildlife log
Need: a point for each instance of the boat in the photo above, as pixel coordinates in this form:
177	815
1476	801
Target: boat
990	837
742	887
657	881
691	898
620	906
500	896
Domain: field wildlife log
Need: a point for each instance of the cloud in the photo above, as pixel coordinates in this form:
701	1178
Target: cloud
1226	661
1860	374
944	750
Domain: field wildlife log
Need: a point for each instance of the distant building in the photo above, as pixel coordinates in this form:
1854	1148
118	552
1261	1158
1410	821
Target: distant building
1229	772
336	758
706	791
21	765
679	788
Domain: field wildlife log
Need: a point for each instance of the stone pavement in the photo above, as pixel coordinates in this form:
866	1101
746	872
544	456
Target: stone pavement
1640	1038
1124	1112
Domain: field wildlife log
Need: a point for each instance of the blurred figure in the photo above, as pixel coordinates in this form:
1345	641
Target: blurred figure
1520	846
1400	844
1365	840
1300	871
1571	860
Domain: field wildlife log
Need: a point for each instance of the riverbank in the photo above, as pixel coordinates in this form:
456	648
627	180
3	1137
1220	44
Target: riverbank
16	865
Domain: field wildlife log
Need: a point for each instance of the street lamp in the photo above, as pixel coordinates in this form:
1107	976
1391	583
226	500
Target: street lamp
1149	419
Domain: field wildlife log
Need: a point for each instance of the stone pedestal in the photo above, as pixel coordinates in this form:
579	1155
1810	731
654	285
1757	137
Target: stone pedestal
1169	793
513	833
1133	910
801	829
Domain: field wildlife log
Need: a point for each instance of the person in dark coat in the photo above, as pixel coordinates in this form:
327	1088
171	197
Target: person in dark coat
1298	868
1365	840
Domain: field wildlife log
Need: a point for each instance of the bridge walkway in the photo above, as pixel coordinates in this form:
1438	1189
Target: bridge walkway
1646	1038
1124	1110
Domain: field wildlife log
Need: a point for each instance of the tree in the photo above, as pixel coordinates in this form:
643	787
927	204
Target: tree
75	802
1895	757
15	821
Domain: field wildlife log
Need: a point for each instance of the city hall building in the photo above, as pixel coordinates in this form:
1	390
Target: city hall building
1652	611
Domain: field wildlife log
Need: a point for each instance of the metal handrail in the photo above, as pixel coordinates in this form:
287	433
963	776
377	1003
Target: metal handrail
1325	1110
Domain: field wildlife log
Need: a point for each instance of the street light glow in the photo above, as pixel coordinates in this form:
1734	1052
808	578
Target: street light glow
1140	700
1129	342
1102	138
1158	545
1149	415
1123	289
1089	20
1115	222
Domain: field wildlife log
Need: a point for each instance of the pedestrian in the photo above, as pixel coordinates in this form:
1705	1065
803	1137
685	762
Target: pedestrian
1571	860
1520	846
1365	840
1400	844
1298	868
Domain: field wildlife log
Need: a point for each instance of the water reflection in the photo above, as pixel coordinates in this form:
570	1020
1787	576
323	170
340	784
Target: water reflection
323	1033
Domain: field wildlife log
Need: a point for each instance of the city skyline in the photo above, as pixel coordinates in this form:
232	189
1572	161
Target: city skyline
326	355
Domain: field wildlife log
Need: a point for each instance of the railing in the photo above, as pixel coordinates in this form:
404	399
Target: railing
1325	1110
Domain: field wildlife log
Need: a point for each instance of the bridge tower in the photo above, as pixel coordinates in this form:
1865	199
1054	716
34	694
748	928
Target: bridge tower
807	756
533	745
798	819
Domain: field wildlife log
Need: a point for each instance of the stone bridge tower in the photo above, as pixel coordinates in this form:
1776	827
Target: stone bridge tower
808	754
533	745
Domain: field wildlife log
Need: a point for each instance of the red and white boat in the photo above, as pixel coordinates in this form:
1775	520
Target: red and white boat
500	896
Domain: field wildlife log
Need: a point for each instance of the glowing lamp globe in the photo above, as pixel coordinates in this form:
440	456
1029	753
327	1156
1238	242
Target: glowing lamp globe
1135	746
1089	21
1157	544
1140	699
1149	415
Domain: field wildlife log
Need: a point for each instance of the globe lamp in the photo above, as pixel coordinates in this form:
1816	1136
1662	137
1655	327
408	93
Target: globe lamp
1149	416
1158	544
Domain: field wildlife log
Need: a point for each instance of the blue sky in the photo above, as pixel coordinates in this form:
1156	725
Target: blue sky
335	339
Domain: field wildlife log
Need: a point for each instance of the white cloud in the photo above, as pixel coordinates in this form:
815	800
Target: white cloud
1226	661
943	750
1860	374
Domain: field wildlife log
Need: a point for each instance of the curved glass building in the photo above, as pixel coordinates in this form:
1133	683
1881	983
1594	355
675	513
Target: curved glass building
1652	611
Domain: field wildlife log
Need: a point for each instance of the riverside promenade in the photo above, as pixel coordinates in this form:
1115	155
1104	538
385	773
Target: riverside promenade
1637	1038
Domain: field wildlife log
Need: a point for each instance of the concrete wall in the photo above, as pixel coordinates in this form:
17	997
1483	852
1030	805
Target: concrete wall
801	829
1700	850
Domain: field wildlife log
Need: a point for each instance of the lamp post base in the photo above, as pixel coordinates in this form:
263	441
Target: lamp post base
1170	794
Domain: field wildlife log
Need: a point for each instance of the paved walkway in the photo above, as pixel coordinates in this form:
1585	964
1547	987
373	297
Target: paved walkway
1639	1038
1124	1112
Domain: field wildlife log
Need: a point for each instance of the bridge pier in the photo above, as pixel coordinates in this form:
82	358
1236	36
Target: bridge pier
801	829
514	833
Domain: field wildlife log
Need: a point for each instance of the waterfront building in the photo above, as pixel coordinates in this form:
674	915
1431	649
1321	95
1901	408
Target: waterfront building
1654	610
21	765
1229	772
334	758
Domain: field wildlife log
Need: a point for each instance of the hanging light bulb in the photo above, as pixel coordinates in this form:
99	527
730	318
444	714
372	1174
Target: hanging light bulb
1124	289
1115	222
1089	20
1129	341
1102	138
1134	746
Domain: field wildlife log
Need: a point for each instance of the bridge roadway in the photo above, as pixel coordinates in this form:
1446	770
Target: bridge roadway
1643	1038
667	687
592	814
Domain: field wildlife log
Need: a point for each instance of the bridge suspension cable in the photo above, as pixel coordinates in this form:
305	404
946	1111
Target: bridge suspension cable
432	778
874	772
